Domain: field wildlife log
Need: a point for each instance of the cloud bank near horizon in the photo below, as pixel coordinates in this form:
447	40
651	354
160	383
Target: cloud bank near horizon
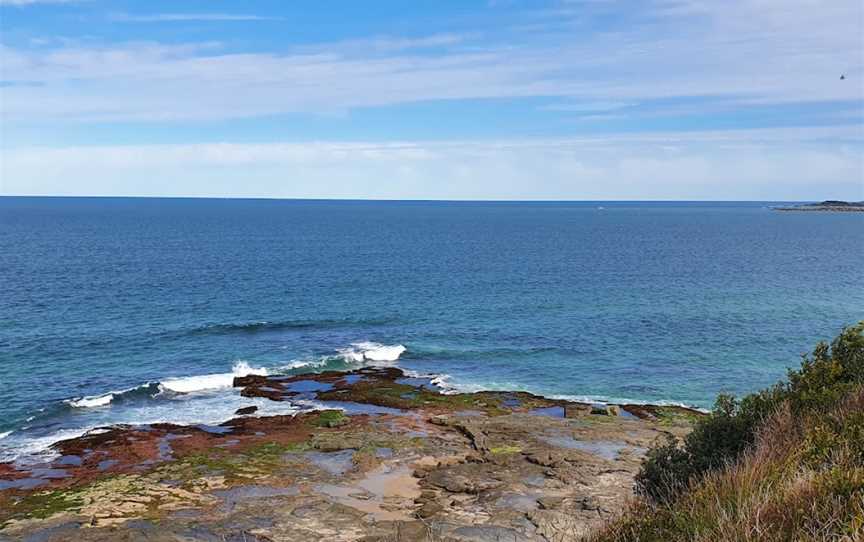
701	166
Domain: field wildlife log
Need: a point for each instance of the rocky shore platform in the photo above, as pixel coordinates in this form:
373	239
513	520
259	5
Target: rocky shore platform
386	457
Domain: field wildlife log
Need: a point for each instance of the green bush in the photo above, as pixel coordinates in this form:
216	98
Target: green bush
824	378
665	470
802	480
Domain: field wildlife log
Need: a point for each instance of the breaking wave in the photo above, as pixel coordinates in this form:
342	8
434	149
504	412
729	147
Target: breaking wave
191	384
92	401
95	401
375	352
206	398
186	384
359	353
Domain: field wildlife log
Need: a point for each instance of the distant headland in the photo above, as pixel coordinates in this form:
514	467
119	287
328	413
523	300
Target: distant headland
827	205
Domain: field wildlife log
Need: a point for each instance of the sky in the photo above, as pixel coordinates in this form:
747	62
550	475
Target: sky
487	99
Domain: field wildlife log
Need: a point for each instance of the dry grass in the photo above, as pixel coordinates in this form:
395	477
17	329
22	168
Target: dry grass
803	481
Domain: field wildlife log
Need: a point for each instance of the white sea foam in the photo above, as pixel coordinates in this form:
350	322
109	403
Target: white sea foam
183	406
4	435
92	401
210	408
443	382
448	387
37	449
369	351
191	384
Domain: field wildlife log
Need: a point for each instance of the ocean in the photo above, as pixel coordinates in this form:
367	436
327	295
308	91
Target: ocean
116	310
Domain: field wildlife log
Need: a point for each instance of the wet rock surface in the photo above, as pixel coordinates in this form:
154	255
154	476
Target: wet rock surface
390	458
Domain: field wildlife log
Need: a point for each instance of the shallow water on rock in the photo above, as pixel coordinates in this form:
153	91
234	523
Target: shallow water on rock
238	494
22	483
49	474
387	481
382	486
383	453
552	412
164	446
70	460
352	408
511	402
607	449
517	501
308	386
107	464
336	463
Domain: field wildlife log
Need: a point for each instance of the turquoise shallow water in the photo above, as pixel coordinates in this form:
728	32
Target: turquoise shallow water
162	301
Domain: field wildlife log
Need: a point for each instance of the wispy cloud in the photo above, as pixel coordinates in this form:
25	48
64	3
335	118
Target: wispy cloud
587	107
744	51
184	17
32	2
386	44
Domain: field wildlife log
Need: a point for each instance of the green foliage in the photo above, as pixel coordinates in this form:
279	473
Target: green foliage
673	416
824	378
664	472
802	480
831	434
829	375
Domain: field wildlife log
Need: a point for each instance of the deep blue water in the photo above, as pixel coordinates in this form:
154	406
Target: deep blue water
636	301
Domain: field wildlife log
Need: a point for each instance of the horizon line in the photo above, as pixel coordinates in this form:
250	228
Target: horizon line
412	200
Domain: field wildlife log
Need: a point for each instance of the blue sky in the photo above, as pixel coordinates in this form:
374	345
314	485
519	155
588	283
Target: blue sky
495	99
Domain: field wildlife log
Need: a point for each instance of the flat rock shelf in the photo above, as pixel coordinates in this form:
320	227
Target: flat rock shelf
383	457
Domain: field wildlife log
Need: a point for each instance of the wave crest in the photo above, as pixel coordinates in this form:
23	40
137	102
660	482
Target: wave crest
357	353
191	384
105	399
370	351
92	401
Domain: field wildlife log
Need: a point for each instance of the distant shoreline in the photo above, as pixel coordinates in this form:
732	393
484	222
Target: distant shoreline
831	206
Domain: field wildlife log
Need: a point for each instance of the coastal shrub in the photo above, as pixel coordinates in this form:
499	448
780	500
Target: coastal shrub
801	480
828	375
664	471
